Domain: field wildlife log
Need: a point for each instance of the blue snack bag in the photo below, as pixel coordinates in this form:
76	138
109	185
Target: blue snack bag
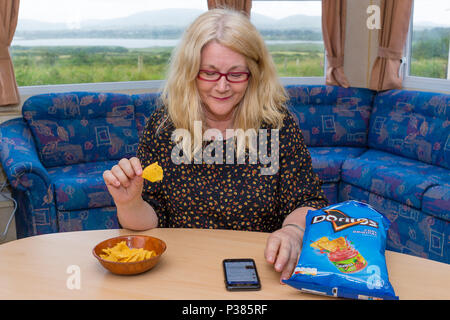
343	253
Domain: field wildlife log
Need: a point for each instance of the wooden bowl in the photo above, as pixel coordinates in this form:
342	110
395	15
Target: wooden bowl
132	241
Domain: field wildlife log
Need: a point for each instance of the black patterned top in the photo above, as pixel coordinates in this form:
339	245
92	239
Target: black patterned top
231	194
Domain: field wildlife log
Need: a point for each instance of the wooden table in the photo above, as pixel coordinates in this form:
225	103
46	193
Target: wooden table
37	268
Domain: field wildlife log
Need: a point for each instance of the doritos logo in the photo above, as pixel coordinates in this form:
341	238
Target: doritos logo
340	221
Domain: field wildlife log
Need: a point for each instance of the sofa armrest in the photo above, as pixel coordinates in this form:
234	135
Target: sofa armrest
18	155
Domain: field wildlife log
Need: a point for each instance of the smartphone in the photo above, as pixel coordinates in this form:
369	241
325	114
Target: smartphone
241	274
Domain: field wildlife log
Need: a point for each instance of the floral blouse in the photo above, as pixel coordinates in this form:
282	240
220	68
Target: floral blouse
233	194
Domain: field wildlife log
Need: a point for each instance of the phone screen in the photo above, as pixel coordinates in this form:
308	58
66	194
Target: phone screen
241	274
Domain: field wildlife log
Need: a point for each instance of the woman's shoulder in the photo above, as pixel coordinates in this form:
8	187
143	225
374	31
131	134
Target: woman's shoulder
289	120
288	123
159	120
158	115
290	132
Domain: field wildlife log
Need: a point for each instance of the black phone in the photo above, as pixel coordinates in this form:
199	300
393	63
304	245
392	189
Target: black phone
241	274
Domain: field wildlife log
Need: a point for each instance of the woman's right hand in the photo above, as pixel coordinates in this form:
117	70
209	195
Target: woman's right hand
124	181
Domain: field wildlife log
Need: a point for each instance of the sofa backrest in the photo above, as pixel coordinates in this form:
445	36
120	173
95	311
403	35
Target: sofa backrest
413	124
145	104
331	116
76	127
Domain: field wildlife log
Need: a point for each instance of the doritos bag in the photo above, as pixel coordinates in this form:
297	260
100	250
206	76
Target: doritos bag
343	253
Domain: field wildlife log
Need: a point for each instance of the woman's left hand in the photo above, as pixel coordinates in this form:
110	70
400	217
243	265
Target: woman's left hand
282	250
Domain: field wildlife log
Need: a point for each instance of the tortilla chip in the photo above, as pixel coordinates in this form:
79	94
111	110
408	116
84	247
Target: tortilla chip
153	172
122	253
320	243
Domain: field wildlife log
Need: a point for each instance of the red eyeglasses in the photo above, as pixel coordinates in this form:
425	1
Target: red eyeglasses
233	77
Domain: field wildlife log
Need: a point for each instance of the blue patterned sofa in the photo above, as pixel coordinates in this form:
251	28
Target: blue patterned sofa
55	155
391	150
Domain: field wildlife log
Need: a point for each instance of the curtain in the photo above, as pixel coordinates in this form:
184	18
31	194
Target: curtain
395	16
333	31
9	12
240	5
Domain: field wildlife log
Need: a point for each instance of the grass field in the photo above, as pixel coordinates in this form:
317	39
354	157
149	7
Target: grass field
66	65
429	68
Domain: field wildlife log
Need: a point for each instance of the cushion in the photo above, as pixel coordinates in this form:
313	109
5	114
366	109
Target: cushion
327	161
77	127
331	116
412	231
412	124
436	201
393	177
331	192
92	219
81	186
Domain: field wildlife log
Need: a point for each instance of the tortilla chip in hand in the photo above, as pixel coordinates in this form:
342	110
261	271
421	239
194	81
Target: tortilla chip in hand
153	172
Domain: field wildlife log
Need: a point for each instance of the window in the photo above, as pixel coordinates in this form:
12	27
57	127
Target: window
293	33
116	45
91	41
428	46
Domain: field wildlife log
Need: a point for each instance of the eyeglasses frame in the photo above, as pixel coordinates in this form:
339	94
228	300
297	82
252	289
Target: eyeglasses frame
223	75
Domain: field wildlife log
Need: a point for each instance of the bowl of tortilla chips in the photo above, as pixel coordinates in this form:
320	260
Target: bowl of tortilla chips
129	254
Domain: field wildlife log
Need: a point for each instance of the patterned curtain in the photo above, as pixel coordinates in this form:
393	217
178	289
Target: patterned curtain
334	13
395	15
240	5
9	12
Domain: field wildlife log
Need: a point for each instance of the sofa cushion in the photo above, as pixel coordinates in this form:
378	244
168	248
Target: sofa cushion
81	186
331	192
92	219
412	124
436	201
331	116
412	231
77	127
394	177
327	161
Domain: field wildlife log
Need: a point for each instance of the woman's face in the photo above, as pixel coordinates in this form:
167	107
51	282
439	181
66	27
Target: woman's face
220	98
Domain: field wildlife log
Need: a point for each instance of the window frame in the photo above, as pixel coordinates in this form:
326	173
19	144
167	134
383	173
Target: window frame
148	85
415	82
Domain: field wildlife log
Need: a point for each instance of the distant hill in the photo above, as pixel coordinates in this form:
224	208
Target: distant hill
178	18
420	25
33	25
175	18
157	18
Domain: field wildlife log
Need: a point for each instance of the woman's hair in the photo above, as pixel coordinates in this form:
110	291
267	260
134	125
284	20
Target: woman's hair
265	97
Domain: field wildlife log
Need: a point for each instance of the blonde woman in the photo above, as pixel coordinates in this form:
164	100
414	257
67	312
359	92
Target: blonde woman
232	156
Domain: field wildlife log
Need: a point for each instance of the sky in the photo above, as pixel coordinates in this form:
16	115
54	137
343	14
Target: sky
72	11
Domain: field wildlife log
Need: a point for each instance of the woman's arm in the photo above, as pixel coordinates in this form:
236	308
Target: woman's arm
139	215
125	183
